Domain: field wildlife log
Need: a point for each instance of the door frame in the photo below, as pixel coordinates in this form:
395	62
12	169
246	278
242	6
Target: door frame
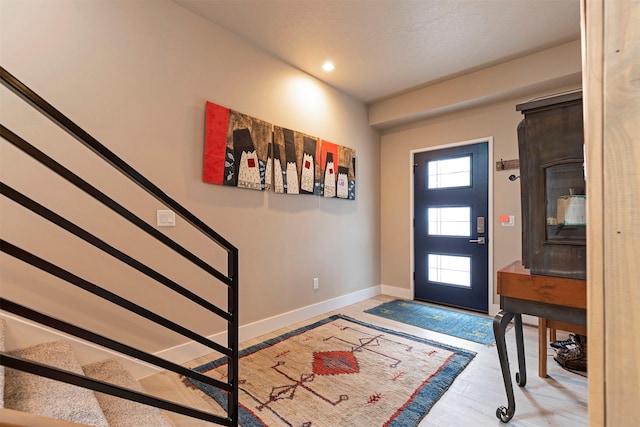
493	308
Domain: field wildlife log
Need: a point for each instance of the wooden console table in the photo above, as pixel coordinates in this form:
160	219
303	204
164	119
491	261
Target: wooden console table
558	303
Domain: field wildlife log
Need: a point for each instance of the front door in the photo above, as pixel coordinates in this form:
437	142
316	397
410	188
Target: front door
451	253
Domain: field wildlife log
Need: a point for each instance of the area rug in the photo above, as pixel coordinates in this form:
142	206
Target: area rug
339	372
450	322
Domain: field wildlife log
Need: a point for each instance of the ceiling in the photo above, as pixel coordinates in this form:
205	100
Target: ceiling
385	47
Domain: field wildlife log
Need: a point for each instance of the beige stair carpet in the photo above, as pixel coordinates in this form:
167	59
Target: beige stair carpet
31	393
122	412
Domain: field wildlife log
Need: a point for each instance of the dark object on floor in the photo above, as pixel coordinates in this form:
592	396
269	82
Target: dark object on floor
572	353
568	344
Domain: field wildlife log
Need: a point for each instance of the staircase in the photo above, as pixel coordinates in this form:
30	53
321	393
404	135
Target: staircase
46	378
52	400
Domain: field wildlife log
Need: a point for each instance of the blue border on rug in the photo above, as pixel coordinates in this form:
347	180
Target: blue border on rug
471	327
412	414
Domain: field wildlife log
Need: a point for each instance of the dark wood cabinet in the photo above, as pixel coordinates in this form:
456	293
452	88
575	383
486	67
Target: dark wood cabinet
550	145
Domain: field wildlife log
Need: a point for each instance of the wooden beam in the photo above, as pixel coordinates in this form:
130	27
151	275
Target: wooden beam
611	72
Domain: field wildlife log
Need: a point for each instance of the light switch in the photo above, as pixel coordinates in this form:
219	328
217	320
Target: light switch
508	220
165	218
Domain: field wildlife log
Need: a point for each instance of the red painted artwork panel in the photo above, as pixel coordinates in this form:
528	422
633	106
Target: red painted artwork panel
215	143
328	147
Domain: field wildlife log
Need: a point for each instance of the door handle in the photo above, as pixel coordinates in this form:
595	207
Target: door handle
479	240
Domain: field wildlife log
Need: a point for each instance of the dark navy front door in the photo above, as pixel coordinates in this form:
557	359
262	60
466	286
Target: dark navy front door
451	254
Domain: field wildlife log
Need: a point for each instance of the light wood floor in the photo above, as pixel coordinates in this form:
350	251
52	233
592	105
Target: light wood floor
559	400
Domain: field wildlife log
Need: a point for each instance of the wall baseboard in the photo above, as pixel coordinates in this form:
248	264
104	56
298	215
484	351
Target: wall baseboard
397	292
21	333
190	351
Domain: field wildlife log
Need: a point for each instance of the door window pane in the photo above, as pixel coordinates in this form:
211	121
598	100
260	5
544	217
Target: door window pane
453	270
449	221
450	173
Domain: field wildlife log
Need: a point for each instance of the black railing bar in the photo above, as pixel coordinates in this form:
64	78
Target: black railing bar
233	339
65	275
77	181
68	377
60	325
90	142
67	225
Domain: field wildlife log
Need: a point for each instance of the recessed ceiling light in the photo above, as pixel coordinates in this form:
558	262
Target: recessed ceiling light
328	66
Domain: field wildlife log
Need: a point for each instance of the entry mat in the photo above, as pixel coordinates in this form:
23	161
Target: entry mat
472	327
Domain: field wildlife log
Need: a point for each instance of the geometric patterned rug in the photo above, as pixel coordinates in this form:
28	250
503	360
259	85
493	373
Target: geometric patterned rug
340	372
467	326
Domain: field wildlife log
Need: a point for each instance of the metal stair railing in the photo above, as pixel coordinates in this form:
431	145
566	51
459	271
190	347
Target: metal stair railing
230	279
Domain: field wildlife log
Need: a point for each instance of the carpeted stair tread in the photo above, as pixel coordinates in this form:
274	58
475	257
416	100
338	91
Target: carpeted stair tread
121	412
30	393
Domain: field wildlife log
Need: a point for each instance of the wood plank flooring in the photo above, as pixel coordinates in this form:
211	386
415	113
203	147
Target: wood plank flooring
559	400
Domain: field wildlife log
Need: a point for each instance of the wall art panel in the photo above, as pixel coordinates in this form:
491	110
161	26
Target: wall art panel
328	160
346	180
236	149
295	162
338	171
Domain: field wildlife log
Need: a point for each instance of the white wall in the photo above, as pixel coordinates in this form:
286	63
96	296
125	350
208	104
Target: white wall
136	76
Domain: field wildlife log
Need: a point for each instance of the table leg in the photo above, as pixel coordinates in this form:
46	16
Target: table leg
542	347
521	375
500	323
